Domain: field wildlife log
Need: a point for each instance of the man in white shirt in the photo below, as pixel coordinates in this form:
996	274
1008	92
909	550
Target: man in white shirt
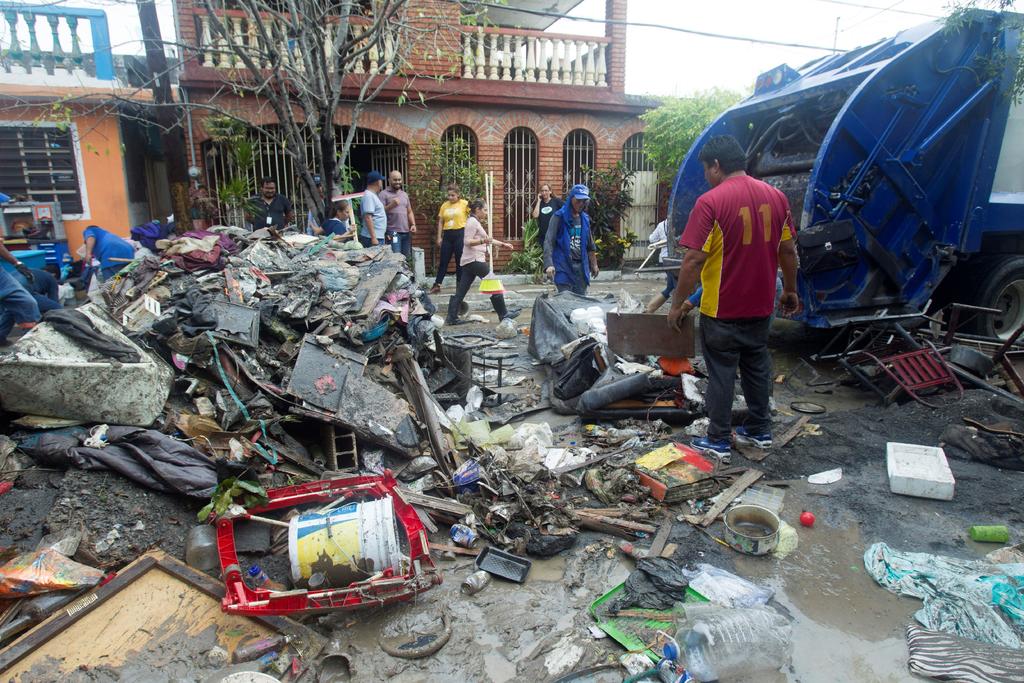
375	219
660	234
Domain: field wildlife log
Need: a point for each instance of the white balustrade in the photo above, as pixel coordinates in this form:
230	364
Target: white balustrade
47	29
493	55
486	54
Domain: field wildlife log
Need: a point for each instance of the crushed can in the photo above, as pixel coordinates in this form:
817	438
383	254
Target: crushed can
463	535
476	582
467	477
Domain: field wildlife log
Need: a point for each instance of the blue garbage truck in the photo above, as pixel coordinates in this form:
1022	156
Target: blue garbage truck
903	162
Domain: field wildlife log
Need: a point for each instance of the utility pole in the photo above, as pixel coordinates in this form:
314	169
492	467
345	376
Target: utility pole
167	114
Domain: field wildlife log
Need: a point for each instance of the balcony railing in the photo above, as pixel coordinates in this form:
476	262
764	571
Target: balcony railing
61	26
501	54
216	51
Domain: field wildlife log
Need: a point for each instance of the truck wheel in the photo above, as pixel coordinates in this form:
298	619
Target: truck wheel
1001	287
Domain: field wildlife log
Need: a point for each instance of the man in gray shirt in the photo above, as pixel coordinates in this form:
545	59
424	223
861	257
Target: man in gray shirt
401	220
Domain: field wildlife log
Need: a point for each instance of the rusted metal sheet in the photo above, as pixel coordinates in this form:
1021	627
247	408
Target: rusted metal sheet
649	334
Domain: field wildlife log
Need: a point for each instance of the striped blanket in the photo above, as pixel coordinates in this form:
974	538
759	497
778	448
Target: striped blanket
948	658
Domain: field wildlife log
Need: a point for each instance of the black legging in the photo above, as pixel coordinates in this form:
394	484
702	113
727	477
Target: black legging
470	272
451	245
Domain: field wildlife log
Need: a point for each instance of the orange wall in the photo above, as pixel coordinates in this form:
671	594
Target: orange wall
99	140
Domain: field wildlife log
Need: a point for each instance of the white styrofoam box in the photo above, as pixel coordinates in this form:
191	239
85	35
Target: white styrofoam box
920	471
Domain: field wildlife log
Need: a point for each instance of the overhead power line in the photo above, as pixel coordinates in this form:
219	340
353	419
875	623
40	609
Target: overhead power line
640	24
876	7
881	11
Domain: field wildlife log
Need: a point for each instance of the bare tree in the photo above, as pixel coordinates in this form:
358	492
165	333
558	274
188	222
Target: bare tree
304	58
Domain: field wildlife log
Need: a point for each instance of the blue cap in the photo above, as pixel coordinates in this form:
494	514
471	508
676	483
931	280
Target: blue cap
579	191
373	176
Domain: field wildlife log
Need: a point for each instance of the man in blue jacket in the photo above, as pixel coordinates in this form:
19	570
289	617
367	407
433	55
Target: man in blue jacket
570	256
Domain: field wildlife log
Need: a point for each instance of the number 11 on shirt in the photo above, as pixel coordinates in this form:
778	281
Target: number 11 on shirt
748	223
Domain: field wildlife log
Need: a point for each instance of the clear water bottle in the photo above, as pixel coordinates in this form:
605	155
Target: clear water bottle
730	643
201	548
257	577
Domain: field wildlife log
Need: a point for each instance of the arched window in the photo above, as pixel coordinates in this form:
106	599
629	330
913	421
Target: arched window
520	179
578	156
633	155
461	132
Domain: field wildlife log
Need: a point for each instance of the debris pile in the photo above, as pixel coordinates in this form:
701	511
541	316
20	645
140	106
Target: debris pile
318	443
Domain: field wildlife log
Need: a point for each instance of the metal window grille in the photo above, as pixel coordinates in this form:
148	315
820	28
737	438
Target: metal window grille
383	152
39	162
642	215
633	155
520	179
578	154
464	133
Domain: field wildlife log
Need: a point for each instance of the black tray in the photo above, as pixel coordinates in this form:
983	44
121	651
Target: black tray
504	565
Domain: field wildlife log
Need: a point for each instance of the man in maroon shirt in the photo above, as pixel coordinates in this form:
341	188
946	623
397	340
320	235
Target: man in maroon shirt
737	236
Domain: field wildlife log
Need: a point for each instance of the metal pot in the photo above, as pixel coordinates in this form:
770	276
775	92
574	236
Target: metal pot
752	529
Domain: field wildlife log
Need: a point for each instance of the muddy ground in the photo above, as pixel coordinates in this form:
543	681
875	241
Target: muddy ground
845	626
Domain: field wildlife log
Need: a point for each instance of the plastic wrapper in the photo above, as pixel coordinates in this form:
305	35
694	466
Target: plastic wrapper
726	589
42	571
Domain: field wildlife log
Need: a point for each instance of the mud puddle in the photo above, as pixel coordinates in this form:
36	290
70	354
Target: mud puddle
842	620
507	632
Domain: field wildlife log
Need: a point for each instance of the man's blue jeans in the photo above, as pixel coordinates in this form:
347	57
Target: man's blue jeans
16	304
401	243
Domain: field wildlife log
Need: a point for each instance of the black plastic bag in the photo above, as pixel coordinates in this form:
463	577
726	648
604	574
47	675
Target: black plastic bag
579	372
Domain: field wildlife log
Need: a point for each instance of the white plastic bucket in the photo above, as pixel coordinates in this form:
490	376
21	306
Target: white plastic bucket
349	543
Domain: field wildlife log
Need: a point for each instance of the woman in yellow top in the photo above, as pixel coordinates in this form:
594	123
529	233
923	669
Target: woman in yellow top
451	230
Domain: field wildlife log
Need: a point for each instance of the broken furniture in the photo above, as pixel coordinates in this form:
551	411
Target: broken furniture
415	573
911	371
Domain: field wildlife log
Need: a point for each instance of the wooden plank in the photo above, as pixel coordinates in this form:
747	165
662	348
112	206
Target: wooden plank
621	523
669	550
660	538
441	547
730	494
434	504
649	334
426	520
792	432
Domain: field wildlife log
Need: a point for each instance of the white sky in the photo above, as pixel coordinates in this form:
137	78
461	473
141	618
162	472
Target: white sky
661	62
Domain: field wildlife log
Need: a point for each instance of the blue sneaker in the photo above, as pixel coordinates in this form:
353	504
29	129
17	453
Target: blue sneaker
712	447
763	440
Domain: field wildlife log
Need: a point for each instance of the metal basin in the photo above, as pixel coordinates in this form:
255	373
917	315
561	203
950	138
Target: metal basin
752	529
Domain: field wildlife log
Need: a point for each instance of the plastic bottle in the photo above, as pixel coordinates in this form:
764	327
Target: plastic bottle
257	648
201	548
726	644
258	578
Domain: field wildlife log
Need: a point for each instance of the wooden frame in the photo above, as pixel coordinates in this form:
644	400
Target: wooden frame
157	559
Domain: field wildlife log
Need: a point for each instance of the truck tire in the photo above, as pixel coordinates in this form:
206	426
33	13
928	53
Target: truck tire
1000	286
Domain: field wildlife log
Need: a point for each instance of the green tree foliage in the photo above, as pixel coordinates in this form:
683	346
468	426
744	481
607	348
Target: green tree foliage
447	162
530	259
961	12
673	127
610	199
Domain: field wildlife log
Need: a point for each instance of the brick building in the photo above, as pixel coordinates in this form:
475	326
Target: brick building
534	105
